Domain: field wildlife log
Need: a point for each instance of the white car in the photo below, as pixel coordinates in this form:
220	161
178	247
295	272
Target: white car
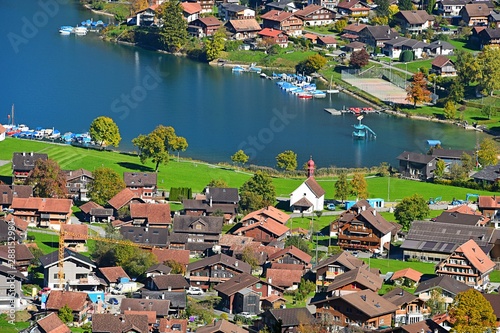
246	315
194	291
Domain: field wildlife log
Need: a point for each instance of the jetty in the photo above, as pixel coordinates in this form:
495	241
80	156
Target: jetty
333	112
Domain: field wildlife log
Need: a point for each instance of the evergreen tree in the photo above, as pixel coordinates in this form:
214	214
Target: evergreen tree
382	8
173	32
450	110
405	5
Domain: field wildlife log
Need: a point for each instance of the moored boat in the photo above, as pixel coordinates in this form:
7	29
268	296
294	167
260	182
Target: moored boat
319	94
80	31
238	69
65	30
305	95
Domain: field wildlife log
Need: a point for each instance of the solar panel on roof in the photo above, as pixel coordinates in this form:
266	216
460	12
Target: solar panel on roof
449	247
429	246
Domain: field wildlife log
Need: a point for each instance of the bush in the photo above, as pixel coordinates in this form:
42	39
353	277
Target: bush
180	193
406	56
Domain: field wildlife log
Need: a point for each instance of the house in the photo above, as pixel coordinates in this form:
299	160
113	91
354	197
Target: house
377	35
364	309
172	325
427	325
490	208
43	212
215	269
160	306
174	301
75	236
414	21
243	29
288	279
146	236
8	192
451	8
475	14
112	275
180	256
143	185
443	66
450	156
23	257
439	47
352	31
145	17
411	309
489	36
435	241
222	200
151	214
124	198
234	11
245	292
443	320
447	286
327	41
221	326
281	5
22	165
11	294
190	11
407	277
354	47
328	269
309	196
291	255
52	324
355	280
362	228
204	26
494	19
96	213
315	15
77	301
394	47
416	166
169	282
272	36
3	130
77	183
9	224
195	233
352	8
455	217
158	269
263	230
78	271
111	323
206	5
284	21
416	47
468	264
489	174
288	319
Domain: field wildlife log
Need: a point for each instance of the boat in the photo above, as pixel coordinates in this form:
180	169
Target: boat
66	30
55	134
254	69
238	69
80	31
330	90
305	95
319	94
263	75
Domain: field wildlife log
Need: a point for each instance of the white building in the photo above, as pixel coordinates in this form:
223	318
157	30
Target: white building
309	196
2	132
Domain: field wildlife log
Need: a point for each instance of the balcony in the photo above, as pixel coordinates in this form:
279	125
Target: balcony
448	272
331	275
350	238
90	280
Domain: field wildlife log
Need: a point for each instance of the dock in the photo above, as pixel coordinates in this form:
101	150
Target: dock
333	112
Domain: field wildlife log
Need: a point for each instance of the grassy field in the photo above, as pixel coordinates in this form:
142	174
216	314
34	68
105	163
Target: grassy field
390	265
285	59
48	243
6	327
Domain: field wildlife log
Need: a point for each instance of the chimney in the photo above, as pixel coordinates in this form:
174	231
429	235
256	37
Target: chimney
162	295
236	264
269	280
31	154
169	288
24	154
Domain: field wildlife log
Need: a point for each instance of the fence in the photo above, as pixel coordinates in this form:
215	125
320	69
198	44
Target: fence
374	73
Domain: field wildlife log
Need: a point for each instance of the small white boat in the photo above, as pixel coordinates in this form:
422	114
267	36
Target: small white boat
66	30
319	94
80	31
333	91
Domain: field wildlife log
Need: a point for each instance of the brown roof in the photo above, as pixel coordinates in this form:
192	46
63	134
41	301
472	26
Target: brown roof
74	232
23	252
49	205
245	25
155	213
291	317
162	255
476	256
306	11
464	209
358	276
110	323
494	300
269	32
369	302
272	226
75	300
303	202
265	213
150	314
277	265
327	40
440	61
172	325
113	274
344	258
295	252
315	187
122	198
477	9
355	45
236	283
210	21
427	325
191	7
86	207
160	306
408	273
73	174
52	324
487	201
416	16
19	222
173	281
276	15
310	36
141	179
283	277
234	241
399	297
355	27
221	258
221	326
350	5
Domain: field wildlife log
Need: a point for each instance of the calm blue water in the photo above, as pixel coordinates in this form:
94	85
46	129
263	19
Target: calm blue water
67	81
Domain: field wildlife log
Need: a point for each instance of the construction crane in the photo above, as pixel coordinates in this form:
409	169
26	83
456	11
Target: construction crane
62	234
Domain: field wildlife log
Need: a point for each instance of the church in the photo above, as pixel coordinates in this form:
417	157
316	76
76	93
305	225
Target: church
309	196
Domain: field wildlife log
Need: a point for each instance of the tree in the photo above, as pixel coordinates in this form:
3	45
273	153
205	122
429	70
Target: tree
489	110
359	188
106	184
47	179
133	260
440	167
342	187
472	313
340	25
382	7
489	64
179	144
250	257
379	20
431	4
488	152
138	5
405	5
215	45
218	183
240	157
299	243
359	58
173	32
65	314
450	110
406	56
468	162
312	64
104	132
417	91
257	192
411	209
287	160
436	302
384	169
177	267
467	68
457	172
457	91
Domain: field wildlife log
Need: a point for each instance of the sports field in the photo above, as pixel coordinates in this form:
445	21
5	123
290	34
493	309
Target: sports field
379	88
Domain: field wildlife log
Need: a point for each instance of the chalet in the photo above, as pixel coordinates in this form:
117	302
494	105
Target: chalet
494	300
364	309
146	236
439	47
315	15
124	198
143	185
406	277
377	35
451	8
475	14
172	325
169	282
288	279
75	236
243	29
427	325
352	8
43	212
451	156
263	229
443	66
354	47
112	323
180	256
234	11
468	264
352	31
158	269
446	285
394	47
112	275
489	174
151	214
206	5
221	326
204	26
455	217
414	21
215	269
160	306
9	192
51	324
327	41
281	5
284	21
77	183
416	166
221	199
145	17
355	280
3	130
309	196
11	293
362	228
288	319
195	233
411	309
435	241
23	257
245	293
489	36
191	11
416	47
22	165
291	255
77	301
272	36
96	213
494	19
490	207
174	301
11	223
328	269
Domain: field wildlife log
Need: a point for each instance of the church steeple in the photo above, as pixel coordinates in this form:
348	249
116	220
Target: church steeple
310	168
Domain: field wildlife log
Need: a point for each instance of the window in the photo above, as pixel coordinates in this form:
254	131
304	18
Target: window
198	227
347	320
258	285
381	321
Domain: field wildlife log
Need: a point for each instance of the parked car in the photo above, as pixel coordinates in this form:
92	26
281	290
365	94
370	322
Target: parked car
330	206
113	301
194	291
246	314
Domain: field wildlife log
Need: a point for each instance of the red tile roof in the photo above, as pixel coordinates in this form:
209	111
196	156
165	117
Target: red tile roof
155	213
151	315
408	273
269	32
283	277
265	213
276	15
307	10
75	232
440	61
52	324
327	40
245	25
191	7
312	37
86	207
46	205
113	274
208	21
162	255
487	201
172	325
2	129
355	27
122	198
76	301
19	222
270	225
476	256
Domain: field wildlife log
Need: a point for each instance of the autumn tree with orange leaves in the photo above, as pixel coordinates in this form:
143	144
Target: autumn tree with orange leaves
417	91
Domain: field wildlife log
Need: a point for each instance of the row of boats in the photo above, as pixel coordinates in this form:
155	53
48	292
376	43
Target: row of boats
83	28
39	133
301	86
250	69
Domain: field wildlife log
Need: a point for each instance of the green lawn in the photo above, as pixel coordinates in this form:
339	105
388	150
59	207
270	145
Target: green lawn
495	276
6	327
298	304
390	265
45	242
287	58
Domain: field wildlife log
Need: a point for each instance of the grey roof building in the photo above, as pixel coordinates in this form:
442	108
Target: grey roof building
489	174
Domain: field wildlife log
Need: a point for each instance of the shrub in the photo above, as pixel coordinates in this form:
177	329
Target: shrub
180	193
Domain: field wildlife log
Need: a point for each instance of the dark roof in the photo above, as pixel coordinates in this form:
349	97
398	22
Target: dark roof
399	297
344	258
376	220
233	7
140	179
490	173
380	32
221	326
173	281
294	252
7	192
110	323
159	268
477	9
194	204
444	282
415	16
53	258
147	236
292	317
236	283
4	232
177	298
415	157
26	161
88	206
221	258
369	302
161	306
75	174
494	300
8	271
440	44
458	218
427	325
450	153
360	276
398	40
188	223
490	33
222	195
313	185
